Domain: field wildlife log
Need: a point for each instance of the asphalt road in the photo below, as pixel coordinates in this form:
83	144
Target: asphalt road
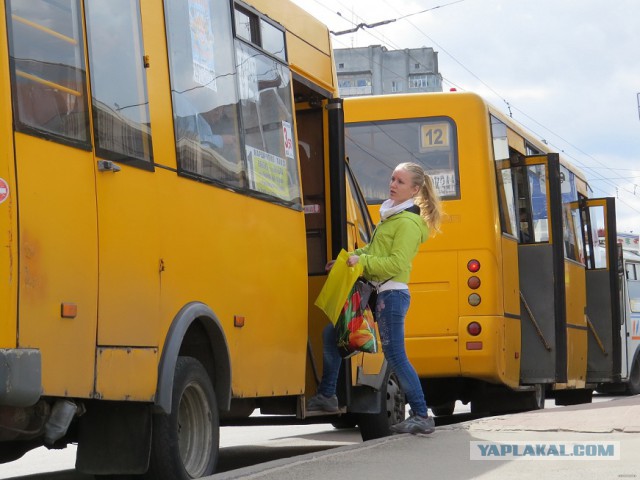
240	446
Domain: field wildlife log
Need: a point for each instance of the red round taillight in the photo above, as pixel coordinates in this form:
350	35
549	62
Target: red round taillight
473	265
473	282
474	328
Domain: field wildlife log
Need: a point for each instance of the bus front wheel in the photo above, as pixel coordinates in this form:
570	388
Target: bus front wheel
185	442
633	385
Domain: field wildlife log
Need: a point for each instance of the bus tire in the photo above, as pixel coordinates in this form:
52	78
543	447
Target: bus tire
376	425
633	385
185	442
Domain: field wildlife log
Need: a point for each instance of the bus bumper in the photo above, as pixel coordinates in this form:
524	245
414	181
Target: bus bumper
20	377
492	356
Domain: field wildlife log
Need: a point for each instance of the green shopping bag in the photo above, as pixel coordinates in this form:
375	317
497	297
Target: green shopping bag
337	287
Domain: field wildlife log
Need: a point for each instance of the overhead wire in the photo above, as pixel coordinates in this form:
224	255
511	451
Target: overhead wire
508	104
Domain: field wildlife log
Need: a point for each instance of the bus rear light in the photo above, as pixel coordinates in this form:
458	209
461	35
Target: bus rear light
473	266
474	328
473	282
474	299
474	345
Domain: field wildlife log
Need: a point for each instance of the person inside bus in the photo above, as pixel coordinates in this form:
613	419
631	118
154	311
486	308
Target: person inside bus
408	216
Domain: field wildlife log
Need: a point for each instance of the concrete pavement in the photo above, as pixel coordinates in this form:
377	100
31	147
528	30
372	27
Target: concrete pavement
591	441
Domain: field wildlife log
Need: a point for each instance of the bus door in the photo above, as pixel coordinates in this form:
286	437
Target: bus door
128	192
604	317
536	184
324	208
57	234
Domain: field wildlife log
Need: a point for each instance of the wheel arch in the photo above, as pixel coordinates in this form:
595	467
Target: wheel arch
196	332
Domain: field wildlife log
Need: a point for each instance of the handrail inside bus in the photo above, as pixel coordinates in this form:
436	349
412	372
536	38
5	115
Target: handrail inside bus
48	83
44	29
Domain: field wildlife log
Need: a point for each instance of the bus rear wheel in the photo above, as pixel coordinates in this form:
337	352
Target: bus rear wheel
185	442
376	425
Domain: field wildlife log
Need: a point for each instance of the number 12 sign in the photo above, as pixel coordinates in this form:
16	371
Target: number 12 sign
434	136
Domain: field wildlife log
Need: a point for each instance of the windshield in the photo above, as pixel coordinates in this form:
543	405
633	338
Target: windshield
375	148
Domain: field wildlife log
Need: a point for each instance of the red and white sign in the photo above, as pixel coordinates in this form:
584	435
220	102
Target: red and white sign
4	190
287	134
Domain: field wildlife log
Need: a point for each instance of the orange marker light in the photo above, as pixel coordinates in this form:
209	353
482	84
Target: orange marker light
68	310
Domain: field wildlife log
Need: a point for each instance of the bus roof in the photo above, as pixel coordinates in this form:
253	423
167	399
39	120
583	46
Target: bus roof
308	42
444	98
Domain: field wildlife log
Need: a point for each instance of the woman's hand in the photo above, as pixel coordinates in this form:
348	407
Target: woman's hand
329	265
353	259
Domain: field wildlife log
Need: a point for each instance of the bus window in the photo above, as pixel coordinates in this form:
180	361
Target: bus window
118	81
536	175
266	106
506	196
573	246
361	216
48	71
596	215
509	179
202	71
375	148
632	271
634	296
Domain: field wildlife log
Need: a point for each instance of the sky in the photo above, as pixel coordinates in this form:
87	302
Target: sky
567	70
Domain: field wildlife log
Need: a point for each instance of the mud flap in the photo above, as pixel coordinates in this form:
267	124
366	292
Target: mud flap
114	438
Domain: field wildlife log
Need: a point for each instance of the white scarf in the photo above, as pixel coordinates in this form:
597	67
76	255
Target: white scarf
388	208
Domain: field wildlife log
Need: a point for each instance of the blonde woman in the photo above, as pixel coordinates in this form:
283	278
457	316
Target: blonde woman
408	217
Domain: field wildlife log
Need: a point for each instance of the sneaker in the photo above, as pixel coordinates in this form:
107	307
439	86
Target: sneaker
414	424
320	403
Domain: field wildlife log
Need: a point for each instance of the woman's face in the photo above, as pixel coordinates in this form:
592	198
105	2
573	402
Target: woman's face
401	188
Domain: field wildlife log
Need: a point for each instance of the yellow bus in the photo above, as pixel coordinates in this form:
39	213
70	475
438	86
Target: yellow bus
172	184
507	302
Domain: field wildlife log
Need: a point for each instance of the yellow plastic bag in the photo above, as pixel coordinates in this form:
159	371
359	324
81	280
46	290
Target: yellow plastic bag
338	286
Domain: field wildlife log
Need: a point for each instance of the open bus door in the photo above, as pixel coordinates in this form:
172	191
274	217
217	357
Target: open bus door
603	290
537	190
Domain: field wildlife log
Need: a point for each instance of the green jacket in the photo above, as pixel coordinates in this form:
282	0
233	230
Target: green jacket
394	244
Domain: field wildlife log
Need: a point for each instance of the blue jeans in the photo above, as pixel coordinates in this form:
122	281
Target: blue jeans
391	309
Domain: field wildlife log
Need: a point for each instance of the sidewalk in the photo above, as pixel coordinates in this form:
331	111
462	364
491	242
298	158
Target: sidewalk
446	453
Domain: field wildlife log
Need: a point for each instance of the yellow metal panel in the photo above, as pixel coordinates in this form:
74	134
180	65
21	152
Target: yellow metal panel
311	63
130	259
512	351
495	362
510	276
434	290
158	86
58	261
8	208
434	356
248	258
126	373
577	340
